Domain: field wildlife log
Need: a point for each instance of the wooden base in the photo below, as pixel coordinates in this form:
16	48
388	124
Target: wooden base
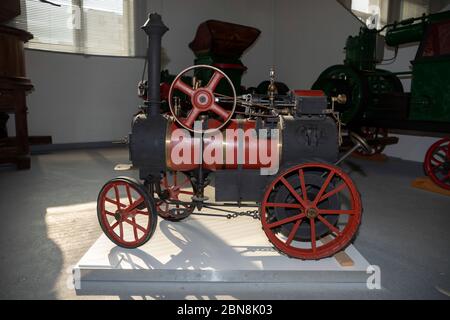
341	257
379	157
427	184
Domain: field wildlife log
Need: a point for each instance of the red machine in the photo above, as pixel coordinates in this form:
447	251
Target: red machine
275	152
437	163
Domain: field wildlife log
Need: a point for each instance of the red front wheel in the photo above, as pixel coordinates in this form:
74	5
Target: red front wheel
437	163
126	212
307	203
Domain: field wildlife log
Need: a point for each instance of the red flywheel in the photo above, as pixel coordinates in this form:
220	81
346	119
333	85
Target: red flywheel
311	211
437	163
126	212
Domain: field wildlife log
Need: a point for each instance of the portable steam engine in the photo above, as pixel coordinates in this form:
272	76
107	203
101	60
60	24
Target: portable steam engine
274	151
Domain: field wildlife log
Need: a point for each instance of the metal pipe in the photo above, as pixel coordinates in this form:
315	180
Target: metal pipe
155	29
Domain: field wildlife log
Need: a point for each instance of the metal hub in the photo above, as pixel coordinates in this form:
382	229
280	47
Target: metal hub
118	215
312	213
203	99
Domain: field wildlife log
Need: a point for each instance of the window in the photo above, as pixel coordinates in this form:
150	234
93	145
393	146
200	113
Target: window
373	13
102	27
378	13
413	8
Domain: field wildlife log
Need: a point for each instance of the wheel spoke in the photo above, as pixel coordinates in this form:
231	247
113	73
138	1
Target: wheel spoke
121	230
329	225
301	176
115	202
130	199
135	225
141	212
109	213
193	115
134	229
214	81
293	192
184	182
435	168
183	87
220	111
116	192
286	220
333	192
324	187
174	174
284	205
437	163
313	235
115	225
165	182
134	205
293	232
348	212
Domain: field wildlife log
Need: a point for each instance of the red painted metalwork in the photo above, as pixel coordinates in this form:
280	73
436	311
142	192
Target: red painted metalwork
309	93
125	213
310	213
230	147
175	190
437	163
225	66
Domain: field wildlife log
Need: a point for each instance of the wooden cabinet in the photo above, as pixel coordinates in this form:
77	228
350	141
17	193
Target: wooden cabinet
14	87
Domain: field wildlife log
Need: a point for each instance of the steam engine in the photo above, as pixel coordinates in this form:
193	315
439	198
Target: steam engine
267	146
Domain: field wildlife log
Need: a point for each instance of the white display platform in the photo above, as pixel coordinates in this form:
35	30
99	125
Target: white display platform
205	249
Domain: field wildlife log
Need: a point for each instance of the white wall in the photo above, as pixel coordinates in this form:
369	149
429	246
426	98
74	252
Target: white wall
309	37
81	99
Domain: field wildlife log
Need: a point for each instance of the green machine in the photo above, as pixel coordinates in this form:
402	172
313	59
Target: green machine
374	98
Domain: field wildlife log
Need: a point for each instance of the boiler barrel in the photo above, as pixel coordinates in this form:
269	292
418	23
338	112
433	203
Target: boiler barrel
220	151
405	34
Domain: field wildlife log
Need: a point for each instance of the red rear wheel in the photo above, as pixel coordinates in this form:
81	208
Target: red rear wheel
175	187
126	213
437	163
307	203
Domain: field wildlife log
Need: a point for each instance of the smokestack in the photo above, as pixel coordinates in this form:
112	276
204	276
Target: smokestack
154	28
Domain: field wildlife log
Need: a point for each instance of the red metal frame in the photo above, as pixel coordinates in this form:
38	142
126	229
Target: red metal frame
308	210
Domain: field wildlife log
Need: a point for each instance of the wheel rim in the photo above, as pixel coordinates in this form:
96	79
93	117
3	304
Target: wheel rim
175	189
202	100
310	212
125	213
437	163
